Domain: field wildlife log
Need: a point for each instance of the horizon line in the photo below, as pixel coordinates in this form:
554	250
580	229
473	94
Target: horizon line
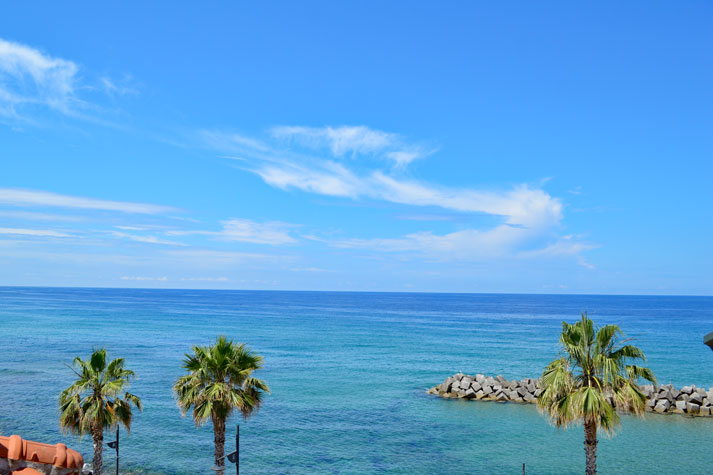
351	291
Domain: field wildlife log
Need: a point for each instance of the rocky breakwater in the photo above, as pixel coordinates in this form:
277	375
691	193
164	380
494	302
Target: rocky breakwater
488	388
664	399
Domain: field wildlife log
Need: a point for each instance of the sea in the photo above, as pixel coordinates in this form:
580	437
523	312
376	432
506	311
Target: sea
348	374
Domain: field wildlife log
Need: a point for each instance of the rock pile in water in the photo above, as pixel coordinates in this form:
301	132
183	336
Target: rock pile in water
664	399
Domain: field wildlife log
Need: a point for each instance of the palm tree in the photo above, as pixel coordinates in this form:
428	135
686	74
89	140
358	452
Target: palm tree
591	380
97	400
219	381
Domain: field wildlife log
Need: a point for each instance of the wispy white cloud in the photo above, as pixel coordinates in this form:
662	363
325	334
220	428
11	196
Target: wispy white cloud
521	205
146	239
33	83
273	233
340	140
584	263
231	141
21	197
33	232
529	216
34	216
30	77
117	88
245	230
428	217
352	141
568	245
470	244
215	258
307	269
144	278
404	157
327	178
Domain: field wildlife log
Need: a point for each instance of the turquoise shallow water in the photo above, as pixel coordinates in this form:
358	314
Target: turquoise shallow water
348	373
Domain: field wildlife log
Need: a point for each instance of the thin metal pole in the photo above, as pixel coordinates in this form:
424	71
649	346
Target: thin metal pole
523	469
117	449
237	450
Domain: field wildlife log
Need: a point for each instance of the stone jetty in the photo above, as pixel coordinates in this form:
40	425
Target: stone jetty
664	399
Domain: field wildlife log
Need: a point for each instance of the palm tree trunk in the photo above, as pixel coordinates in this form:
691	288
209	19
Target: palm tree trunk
98	435
219	440
590	447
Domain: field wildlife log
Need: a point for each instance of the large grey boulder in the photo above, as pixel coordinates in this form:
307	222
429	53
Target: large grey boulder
480	378
701	391
530	398
500	396
687	389
680	406
695	398
692	408
666	394
662	405
465	382
704	411
479	394
469	393
476	386
487	390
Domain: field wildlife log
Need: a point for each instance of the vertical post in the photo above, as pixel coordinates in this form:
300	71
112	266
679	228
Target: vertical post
523	469
117	449
237	450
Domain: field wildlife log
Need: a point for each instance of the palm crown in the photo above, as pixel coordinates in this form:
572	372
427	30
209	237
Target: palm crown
593	377
219	381
97	400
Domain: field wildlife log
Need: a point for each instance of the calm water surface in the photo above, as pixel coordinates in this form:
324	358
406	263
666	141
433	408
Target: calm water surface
348	373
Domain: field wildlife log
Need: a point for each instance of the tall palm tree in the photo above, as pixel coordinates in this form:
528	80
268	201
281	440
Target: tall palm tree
97	400
220	381
591	380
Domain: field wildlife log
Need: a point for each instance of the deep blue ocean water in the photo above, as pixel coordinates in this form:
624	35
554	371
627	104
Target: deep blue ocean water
349	374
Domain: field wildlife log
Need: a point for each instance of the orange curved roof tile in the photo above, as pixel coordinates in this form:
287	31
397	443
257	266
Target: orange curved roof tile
28	458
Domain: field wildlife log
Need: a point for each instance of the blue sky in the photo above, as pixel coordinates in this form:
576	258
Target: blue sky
465	147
